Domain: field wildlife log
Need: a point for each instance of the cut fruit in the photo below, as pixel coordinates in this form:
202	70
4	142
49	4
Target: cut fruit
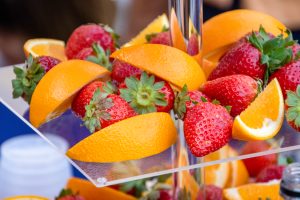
45	47
168	63
89	192
130	139
156	26
54	93
235	24
264	116
25	198
214	56
217	174
185	179
208	66
176	34
238	171
254	191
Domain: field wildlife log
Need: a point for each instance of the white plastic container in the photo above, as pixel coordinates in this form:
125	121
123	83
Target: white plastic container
30	166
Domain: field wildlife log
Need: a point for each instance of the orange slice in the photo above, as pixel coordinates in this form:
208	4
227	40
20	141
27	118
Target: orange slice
168	63
228	27
177	36
89	192
156	26
56	90
26	198
254	191
217	174
133	138
264	116
238	171
185	179
45	47
208	67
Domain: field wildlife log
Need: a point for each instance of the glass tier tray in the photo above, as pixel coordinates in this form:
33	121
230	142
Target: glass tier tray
103	174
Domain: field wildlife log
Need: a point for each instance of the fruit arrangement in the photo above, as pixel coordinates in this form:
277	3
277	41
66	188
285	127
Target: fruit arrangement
248	81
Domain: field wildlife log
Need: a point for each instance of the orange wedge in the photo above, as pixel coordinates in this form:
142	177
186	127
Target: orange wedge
238	171
168	63
26	198
45	47
208	66
254	191
89	192
56	90
185	179
177	36
156	26
228	27
133	138
217	174
264	116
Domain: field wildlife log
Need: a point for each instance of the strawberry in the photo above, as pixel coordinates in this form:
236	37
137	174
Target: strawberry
207	128
210	192
84	97
85	35
96	55
257	56
106	109
160	38
185	100
98	107
237	91
270	173
288	76
256	164
148	94
28	77
122	70
67	194
193	45
292	105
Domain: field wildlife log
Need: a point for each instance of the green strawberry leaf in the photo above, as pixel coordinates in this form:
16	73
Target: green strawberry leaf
293	103
100	56
180	102
143	95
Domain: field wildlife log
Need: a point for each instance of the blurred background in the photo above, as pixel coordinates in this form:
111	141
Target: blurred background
21	20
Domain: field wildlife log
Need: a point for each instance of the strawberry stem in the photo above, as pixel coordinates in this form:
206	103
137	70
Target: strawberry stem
274	51
27	78
293	103
144	94
101	57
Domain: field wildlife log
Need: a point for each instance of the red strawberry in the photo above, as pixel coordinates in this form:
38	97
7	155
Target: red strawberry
160	38
270	173
85	35
292	105
47	62
256	164
257	56
148	94
99	108
288	76
210	192
27	78
121	70
84	97
237	91
193	45
67	194
165	195
95	54
207	128
185	100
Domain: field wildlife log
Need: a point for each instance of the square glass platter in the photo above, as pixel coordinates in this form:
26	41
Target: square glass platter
103	174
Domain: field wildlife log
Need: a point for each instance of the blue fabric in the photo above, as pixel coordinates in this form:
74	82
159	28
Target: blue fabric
11	125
